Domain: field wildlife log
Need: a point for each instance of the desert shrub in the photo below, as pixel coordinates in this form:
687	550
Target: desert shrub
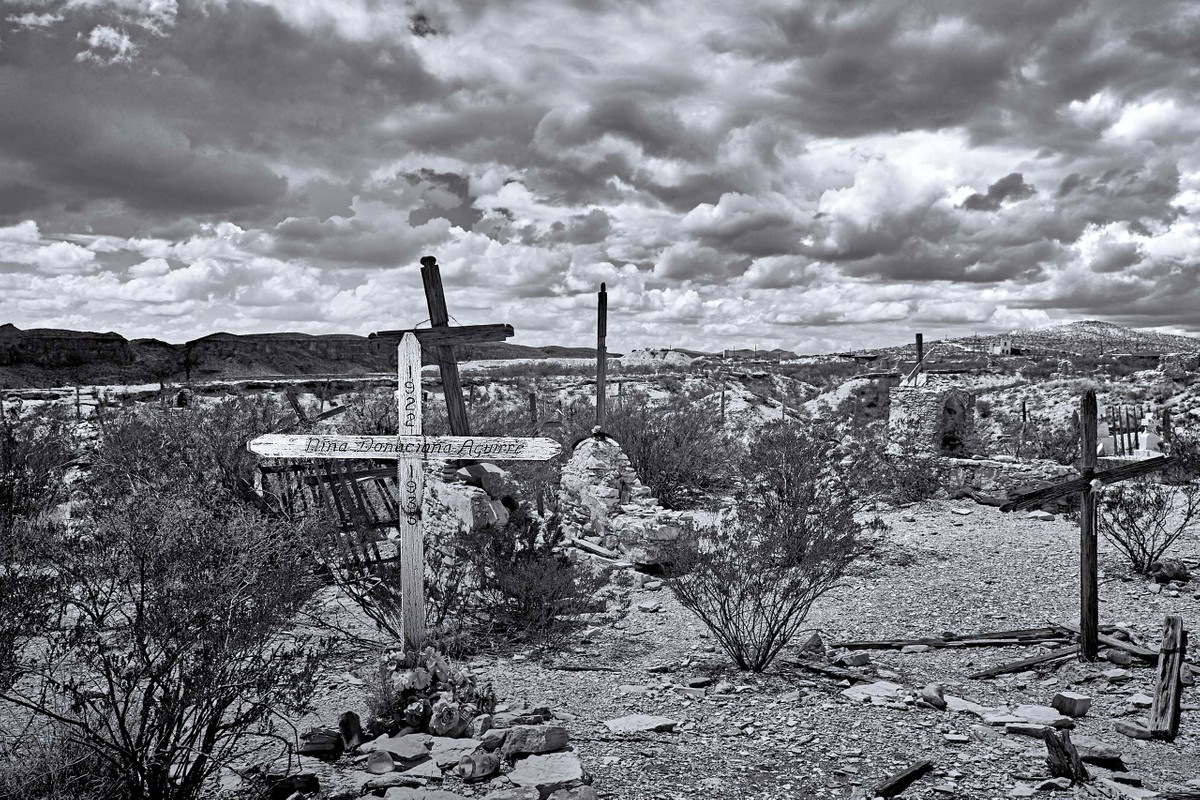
1056	441
50	765
671	447
895	472
166	607
1143	518
754	577
202	447
522	581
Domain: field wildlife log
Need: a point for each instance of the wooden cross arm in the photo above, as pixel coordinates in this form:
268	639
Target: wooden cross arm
1061	490
448	337
428	448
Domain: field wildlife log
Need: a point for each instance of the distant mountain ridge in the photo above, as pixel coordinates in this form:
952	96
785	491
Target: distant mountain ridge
1094	336
52	357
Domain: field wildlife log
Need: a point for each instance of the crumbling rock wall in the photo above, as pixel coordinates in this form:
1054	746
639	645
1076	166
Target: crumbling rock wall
601	496
1002	476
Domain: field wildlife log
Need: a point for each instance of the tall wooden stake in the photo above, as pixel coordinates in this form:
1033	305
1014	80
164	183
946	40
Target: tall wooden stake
411	477
920	355
601	352
1089	594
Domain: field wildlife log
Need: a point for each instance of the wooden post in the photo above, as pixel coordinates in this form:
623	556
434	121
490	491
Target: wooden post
601	352
1089	594
1062	757
1164	713
533	409
411	477
722	401
920	357
1166	426
78	410
435	299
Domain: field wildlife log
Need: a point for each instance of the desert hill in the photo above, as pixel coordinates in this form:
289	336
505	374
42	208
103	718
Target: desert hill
52	357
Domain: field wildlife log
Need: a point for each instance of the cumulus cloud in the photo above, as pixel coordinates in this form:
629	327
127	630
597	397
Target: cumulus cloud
767	170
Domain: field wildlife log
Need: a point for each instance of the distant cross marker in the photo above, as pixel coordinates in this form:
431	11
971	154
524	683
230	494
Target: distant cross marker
1085	485
409	449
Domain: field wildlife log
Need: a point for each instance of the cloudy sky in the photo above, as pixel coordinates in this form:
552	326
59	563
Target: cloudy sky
811	175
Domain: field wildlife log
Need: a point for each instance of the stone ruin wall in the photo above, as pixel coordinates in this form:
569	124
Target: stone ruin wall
603	501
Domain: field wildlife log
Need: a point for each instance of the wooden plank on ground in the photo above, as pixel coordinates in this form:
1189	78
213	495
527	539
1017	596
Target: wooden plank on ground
897	783
1019	666
830	671
1132	649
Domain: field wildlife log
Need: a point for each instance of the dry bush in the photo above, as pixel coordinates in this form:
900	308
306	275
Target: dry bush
753	579
671	447
165	611
879	469
1143	518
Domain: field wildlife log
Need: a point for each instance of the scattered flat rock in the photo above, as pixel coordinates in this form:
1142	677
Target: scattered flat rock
578	793
405	793
855	658
868	691
1054	785
514	793
1141	700
1043	715
641	723
534	739
426	769
447	752
649	606
410	748
934	695
1041	516
965	706
493	738
550	772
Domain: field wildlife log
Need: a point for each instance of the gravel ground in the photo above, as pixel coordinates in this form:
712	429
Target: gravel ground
790	734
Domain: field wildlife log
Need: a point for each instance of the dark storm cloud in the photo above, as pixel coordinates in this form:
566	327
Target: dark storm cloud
1010	187
194	121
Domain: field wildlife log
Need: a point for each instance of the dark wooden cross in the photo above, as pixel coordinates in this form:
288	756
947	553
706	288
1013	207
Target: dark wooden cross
601	353
1086	486
409	449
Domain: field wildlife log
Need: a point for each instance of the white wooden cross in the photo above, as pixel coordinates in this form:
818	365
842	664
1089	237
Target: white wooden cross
410	449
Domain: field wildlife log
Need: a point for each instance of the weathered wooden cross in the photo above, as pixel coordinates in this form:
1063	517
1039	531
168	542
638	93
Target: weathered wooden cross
1087	485
601	354
409	449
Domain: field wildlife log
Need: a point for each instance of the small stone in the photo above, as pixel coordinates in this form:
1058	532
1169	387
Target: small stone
641	723
934	695
479	726
723	687
1119	657
699	683
405	793
1022	790
1072	704
1186	676
1141	700
1117	675
649	606
653	586
962	512
855	658
689	691
578	793
915	648
1054	784
1043	715
1131	729
533	739
1154	588
1041	516
493	738
407	749
956	738
814	646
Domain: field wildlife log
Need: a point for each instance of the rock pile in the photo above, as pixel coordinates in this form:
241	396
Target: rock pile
603	500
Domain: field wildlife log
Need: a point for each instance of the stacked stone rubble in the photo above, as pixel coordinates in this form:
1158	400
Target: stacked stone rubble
602	497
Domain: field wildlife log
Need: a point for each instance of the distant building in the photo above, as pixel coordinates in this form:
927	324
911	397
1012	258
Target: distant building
1001	347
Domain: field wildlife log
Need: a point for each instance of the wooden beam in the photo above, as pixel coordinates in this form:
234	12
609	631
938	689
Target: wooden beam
1062	757
448	337
1019	666
1165	711
1060	490
897	783
1089	592
1108	641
